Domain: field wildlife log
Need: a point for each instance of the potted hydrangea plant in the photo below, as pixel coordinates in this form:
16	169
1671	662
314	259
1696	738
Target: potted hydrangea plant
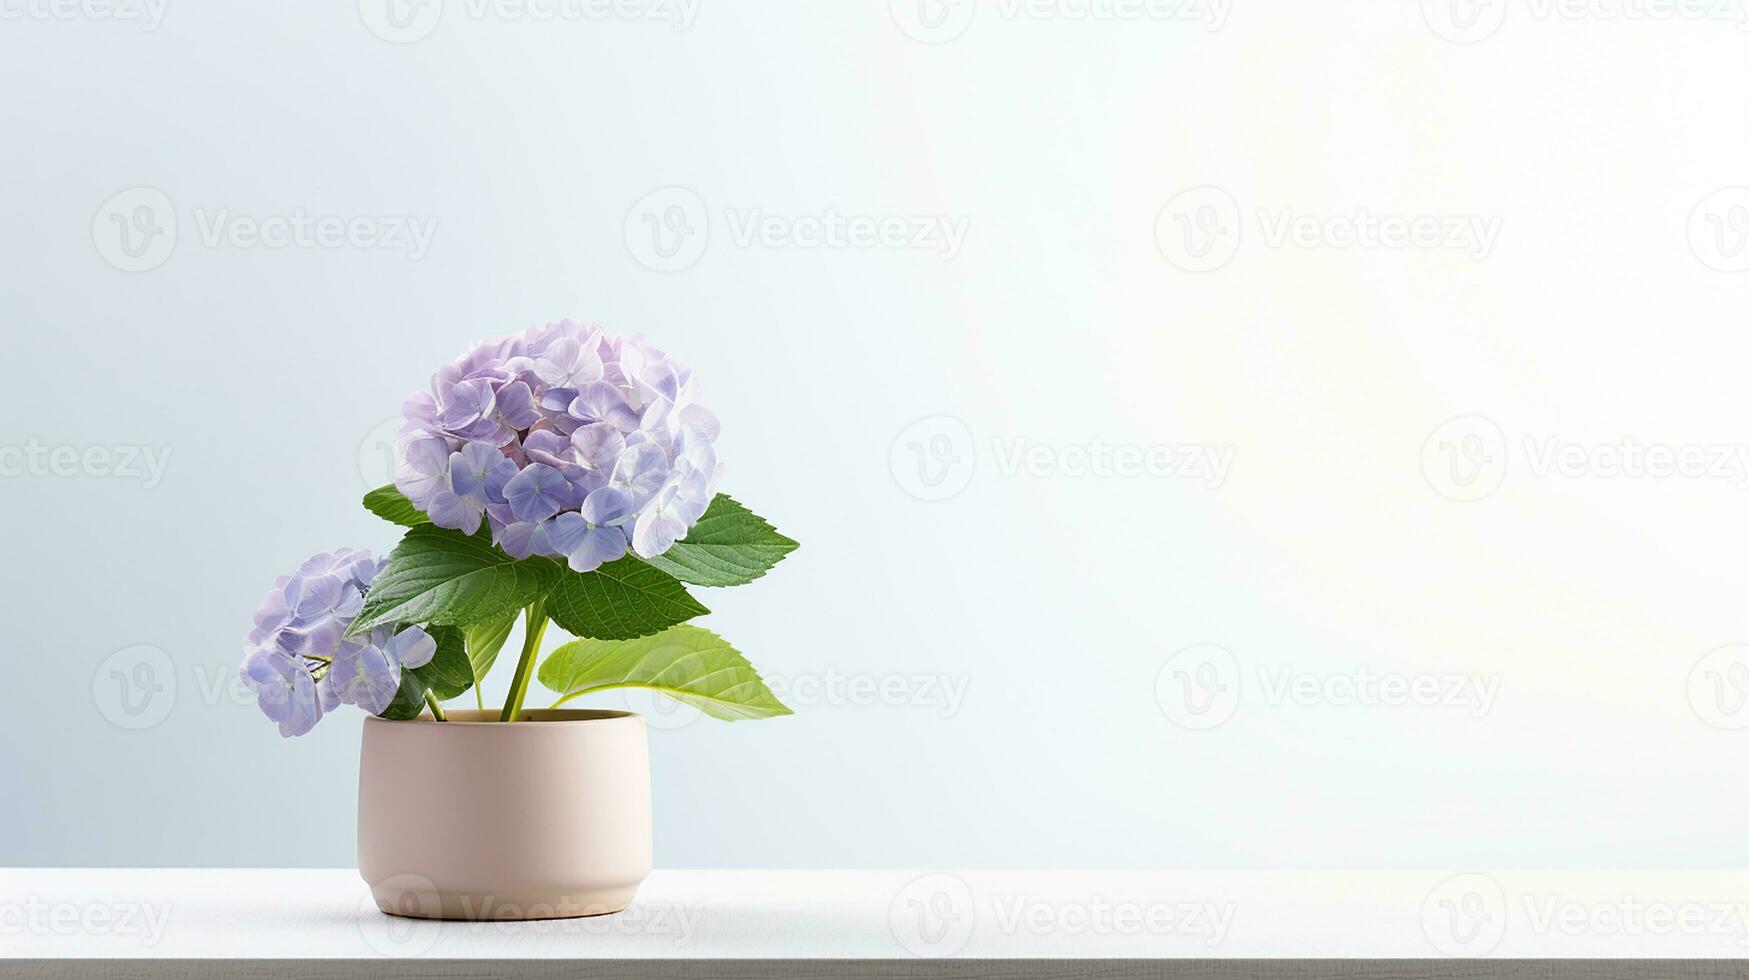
562	477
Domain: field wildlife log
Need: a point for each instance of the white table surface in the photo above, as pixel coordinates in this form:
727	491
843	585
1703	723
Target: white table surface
316	914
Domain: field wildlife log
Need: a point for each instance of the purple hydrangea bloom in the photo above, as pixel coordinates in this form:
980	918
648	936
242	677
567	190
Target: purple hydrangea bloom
285	690
571	442
367	672
299	661
363	674
538	492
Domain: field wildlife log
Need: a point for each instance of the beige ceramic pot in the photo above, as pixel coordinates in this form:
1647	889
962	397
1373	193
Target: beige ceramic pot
472	818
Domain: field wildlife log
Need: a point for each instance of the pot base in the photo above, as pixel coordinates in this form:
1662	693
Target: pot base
418	902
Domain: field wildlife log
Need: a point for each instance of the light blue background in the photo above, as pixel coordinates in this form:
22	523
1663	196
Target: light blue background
1054	600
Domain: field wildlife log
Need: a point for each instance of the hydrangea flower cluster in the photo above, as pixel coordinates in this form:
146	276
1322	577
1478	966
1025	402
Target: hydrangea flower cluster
566	441
298	659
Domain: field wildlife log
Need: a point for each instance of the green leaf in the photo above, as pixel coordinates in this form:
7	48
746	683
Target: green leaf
448	672
730	545
445	675
409	698
446	578
484	640
688	663
387	503
620	600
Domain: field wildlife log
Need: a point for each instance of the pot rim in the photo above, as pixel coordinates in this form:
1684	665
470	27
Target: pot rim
475	718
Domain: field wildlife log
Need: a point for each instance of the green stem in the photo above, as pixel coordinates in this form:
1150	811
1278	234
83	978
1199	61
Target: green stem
436	709
534	627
